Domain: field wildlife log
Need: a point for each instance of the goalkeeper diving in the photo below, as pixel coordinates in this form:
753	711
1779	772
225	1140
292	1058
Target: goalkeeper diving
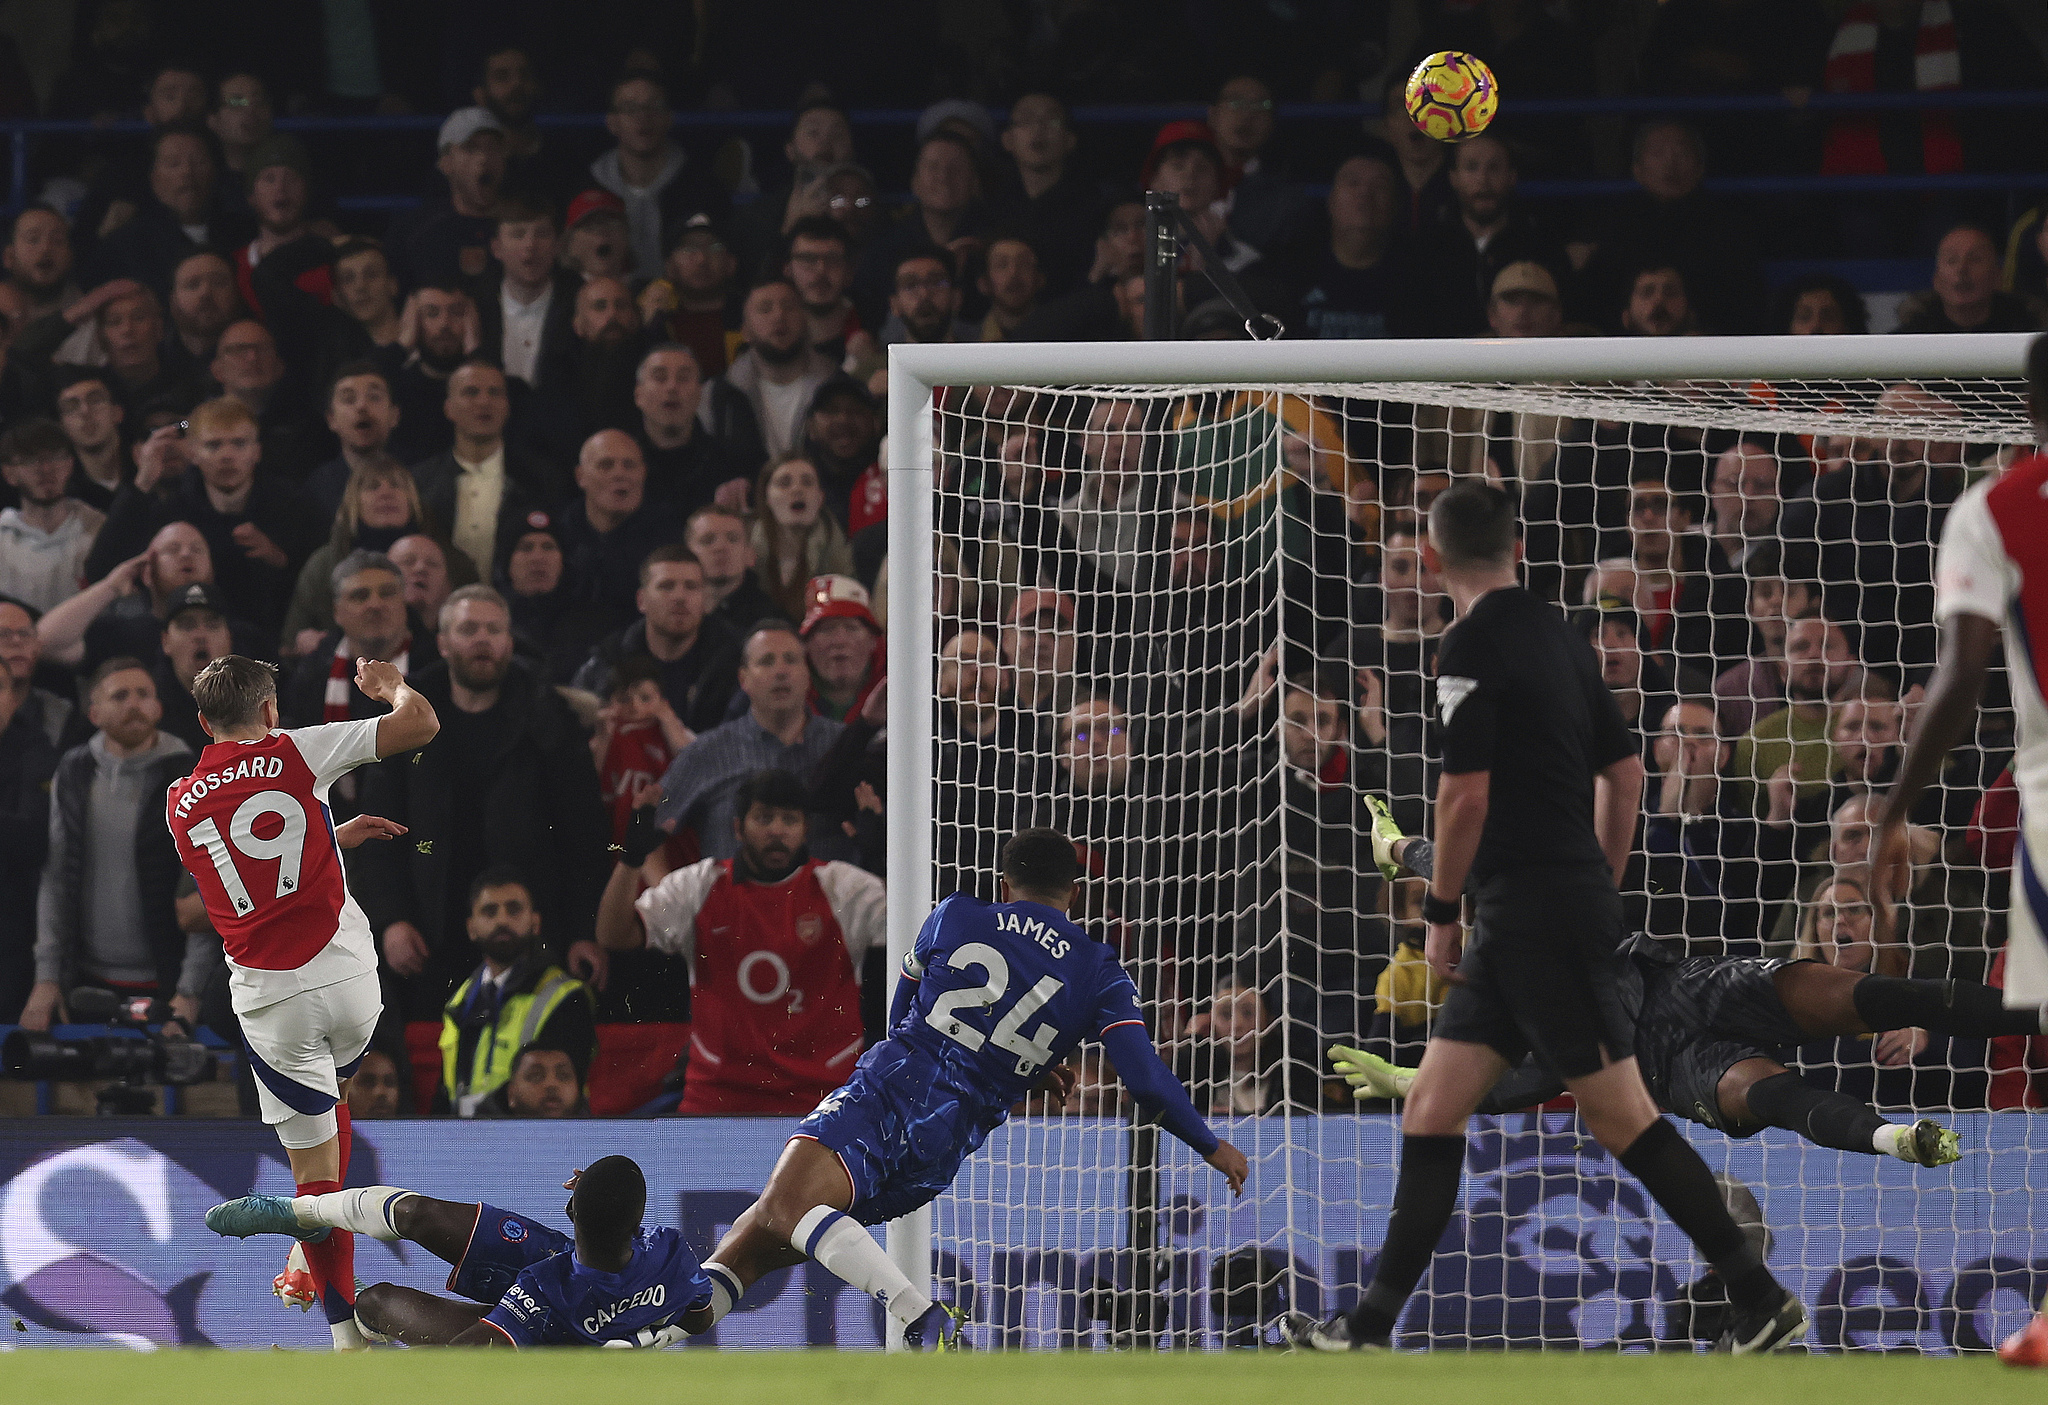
1709	1029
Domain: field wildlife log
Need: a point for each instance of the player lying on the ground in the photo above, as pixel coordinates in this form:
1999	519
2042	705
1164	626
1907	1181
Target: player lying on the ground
1709	1030
529	1284
994	997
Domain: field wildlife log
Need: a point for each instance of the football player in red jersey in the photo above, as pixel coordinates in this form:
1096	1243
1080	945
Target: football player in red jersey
775	941
253	828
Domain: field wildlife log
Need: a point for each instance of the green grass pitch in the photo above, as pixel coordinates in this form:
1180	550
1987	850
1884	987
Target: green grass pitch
60	1377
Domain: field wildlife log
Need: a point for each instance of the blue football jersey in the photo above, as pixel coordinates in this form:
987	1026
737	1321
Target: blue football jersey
562	1302
1005	991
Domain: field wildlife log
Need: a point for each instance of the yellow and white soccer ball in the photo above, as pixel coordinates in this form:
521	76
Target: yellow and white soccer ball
1452	96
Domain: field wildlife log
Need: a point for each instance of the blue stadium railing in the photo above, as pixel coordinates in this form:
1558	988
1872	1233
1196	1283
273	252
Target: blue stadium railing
22	134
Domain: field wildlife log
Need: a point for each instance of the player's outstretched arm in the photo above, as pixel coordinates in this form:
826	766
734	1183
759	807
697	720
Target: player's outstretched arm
411	723
1967	644
1162	1098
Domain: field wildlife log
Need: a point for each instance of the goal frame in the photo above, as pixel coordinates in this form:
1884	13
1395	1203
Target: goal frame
917	371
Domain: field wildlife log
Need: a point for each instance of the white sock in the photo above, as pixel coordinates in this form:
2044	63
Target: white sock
843	1245
364	1210
725	1289
1890	1139
348	1336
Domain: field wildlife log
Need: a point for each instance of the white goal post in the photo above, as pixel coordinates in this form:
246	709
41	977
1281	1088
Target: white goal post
1700	392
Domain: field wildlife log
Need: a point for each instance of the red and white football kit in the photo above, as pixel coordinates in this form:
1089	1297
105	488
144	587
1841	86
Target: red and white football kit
252	827
1994	564
774	979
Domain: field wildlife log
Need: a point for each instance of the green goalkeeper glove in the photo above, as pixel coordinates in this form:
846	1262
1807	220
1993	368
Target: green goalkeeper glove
1369	1075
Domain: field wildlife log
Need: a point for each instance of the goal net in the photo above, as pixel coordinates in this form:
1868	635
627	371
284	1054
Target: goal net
1169	599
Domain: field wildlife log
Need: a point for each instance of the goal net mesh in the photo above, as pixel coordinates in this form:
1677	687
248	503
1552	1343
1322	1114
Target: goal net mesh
1191	628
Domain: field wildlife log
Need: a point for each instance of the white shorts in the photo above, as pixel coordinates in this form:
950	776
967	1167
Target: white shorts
302	1046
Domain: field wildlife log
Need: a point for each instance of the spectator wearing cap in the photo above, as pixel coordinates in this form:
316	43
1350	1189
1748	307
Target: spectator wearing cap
820	267
362	413
721	538
1485	232
1965	296
842	437
549	625
595	242
780	371
181	211
1671	219
611	528
1011	282
525	303
259	527
778	732
482	483
370	622
447	239
106	913
655	178
1043	199
45	540
687	464
696	300
695	659
1186	161
1262	207
1359	279
843	641
279	182
195	634
28	758
924	301
945	212
1525	302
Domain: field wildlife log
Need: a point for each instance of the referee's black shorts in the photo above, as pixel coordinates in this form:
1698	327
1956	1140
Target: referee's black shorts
1539	974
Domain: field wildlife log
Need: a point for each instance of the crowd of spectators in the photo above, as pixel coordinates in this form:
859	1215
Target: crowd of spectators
588	445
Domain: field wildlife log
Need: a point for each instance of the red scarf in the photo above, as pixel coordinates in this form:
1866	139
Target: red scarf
341	674
1854	147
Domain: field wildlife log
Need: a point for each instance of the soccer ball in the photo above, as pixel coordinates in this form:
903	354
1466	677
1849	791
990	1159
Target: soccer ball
1452	96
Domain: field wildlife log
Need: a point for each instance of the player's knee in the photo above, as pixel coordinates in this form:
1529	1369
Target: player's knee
371	1304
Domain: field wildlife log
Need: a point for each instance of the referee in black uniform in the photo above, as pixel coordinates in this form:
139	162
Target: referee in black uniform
1536	807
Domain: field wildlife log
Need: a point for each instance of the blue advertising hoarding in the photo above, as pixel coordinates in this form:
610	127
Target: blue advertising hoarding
101	1240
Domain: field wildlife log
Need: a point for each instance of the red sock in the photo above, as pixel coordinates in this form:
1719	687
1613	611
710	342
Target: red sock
342	1127
332	1262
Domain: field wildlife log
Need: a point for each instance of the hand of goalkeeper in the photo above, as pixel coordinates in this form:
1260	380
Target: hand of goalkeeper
1369	1075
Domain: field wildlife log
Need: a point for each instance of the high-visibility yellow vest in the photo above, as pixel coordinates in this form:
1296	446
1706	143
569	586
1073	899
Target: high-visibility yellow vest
520	1021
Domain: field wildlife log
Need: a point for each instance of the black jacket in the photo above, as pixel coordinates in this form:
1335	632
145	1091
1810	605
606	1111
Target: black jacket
540	813
530	485
698	686
302	700
557	332
27	761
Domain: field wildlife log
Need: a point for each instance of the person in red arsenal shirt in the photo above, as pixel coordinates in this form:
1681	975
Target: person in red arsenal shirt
774	939
253	829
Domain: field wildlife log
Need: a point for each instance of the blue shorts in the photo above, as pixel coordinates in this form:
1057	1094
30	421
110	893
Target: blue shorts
501	1247
898	1130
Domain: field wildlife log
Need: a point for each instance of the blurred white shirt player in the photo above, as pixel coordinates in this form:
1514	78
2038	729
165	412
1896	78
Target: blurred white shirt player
1991	582
253	828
